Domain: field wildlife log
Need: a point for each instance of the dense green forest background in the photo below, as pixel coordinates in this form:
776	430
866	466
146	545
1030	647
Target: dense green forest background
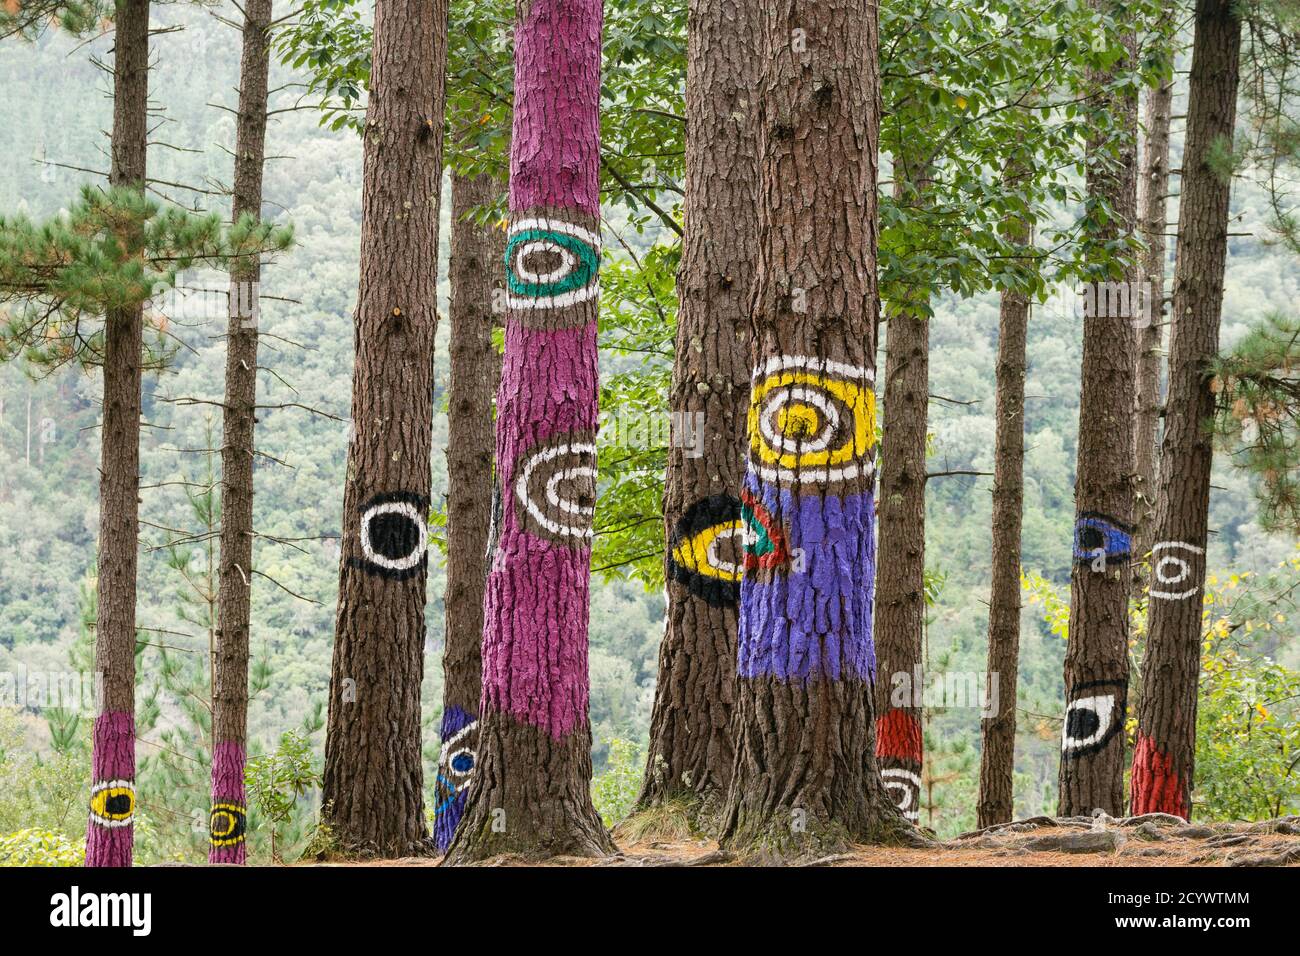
58	105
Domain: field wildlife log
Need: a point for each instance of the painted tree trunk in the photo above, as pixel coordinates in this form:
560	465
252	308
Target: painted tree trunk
532	782
477	278
690	752
1096	657
373	781
112	798
1166	740
805	778
1153	188
900	589
228	818
998	750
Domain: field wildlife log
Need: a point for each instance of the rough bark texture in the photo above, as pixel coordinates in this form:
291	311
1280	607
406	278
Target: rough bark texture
805	779
690	752
109	837
1153	190
477	276
1166	742
230	662
1096	658
532	790
373	784
900	586
998	749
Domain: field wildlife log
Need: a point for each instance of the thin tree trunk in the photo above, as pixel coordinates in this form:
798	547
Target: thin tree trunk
1153	188
230	664
998	750
112	803
532	784
477	276
373	781
690	752
1096	658
1166	740
805	779
900	587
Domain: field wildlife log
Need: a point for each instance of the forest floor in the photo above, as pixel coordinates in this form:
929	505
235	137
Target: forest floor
1153	840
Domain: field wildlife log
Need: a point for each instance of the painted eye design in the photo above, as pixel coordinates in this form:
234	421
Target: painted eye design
227	824
1094	715
813	421
112	803
555	488
550	264
706	550
456	765
1179	570
394	535
1101	538
906	787
767	550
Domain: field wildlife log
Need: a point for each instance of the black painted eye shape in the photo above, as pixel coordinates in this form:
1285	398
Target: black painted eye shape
227	824
1094	715
112	803
1097	536
394	534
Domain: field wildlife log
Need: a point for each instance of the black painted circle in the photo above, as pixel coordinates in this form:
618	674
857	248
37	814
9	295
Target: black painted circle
394	536
1082	723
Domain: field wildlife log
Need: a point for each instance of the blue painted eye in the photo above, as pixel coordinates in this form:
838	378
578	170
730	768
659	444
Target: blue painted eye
462	763
1098	536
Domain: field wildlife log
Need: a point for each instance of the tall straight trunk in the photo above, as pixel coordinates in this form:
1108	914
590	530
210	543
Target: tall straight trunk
1096	657
690	751
900	588
373	782
230	664
112	801
805	778
1153	201
477	252
998	750
532	790
1166	741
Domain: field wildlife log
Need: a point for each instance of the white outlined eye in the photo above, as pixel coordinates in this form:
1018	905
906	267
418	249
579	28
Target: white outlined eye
906	787
112	803
551	264
1092	719
394	534
1178	568
555	488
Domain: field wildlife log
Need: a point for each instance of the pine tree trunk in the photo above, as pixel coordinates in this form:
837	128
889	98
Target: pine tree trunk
531	793
112	802
805	779
900	588
373	782
230	670
690	752
1096	657
998	750
1166	741
1153	188
477	252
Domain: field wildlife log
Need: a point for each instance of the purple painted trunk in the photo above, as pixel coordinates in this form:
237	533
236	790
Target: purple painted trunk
459	735
537	598
112	792
228	822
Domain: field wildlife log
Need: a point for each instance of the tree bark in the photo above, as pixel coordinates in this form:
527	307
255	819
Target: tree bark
1153	188
900	588
239	416
531	793
373	781
805	779
998	750
1096	657
690	752
110	835
1166	741
477	252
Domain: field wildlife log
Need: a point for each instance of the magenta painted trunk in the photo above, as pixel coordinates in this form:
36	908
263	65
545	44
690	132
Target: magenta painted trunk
227	822
537	597
112	794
